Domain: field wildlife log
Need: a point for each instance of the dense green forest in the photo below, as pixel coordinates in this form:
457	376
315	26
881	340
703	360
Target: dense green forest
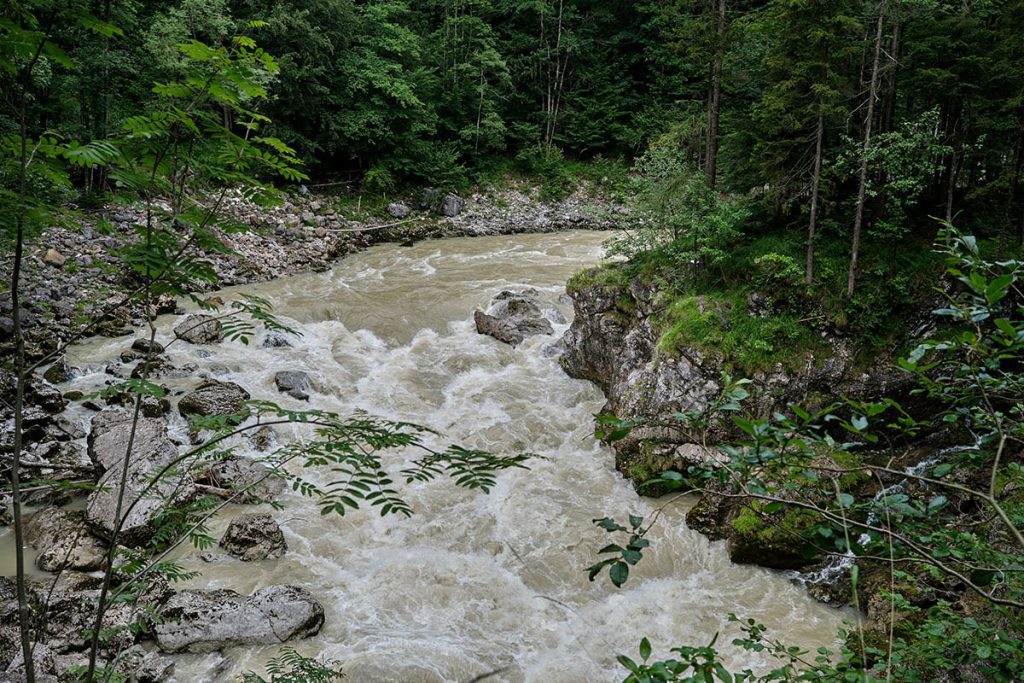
803	181
849	124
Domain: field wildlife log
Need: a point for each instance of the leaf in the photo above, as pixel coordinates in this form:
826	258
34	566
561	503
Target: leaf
645	649
619	573
628	663
845	500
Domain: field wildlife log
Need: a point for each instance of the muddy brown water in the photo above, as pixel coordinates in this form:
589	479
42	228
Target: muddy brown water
471	583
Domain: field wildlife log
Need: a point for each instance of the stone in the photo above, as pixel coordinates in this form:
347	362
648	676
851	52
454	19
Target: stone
293	383
253	479
152	452
512	317
254	536
63	541
161	368
143	345
263	439
145	666
208	620
451	205
54	258
213	397
758	305
151	406
399	210
199	328
275	339
59	372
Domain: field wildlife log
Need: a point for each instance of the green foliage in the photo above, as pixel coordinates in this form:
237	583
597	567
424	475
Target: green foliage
292	667
803	476
679	213
724	326
625	556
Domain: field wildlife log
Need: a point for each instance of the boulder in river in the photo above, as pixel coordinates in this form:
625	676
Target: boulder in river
254	536
152	451
144	345
275	339
63	541
59	372
512	317
208	620
213	397
293	383
161	368
199	328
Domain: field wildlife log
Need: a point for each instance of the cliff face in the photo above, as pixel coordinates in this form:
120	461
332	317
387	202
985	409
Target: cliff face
613	342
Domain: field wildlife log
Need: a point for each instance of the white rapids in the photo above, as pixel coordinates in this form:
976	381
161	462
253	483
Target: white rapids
471	583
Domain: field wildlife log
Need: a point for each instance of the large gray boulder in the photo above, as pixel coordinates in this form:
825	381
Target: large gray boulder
208	620
63	541
293	383
512	317
151	456
199	328
213	397
254	536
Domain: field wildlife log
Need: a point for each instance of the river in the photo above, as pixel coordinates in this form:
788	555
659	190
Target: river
471	583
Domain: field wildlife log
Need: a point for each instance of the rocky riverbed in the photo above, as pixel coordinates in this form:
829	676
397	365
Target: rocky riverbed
72	276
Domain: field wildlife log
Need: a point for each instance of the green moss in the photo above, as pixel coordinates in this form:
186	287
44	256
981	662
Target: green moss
720	324
607	275
778	530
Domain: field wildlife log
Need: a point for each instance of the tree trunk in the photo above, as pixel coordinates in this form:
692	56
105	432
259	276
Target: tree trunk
954	171
24	615
890	98
812	224
858	219
715	97
1011	190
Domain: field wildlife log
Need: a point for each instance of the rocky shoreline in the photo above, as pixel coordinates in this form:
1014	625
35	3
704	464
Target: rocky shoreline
72	275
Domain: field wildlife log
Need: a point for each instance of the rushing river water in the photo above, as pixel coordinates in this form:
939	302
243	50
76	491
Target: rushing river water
472	583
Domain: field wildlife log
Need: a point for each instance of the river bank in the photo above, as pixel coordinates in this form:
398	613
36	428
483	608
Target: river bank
72	275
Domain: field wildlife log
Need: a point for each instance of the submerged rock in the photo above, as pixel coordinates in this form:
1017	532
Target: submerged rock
208	620
235	473
199	328
512	317
254	536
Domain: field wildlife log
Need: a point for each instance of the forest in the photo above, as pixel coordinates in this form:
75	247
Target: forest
808	310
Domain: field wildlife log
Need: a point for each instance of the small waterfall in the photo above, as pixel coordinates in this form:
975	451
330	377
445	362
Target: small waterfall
836	565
